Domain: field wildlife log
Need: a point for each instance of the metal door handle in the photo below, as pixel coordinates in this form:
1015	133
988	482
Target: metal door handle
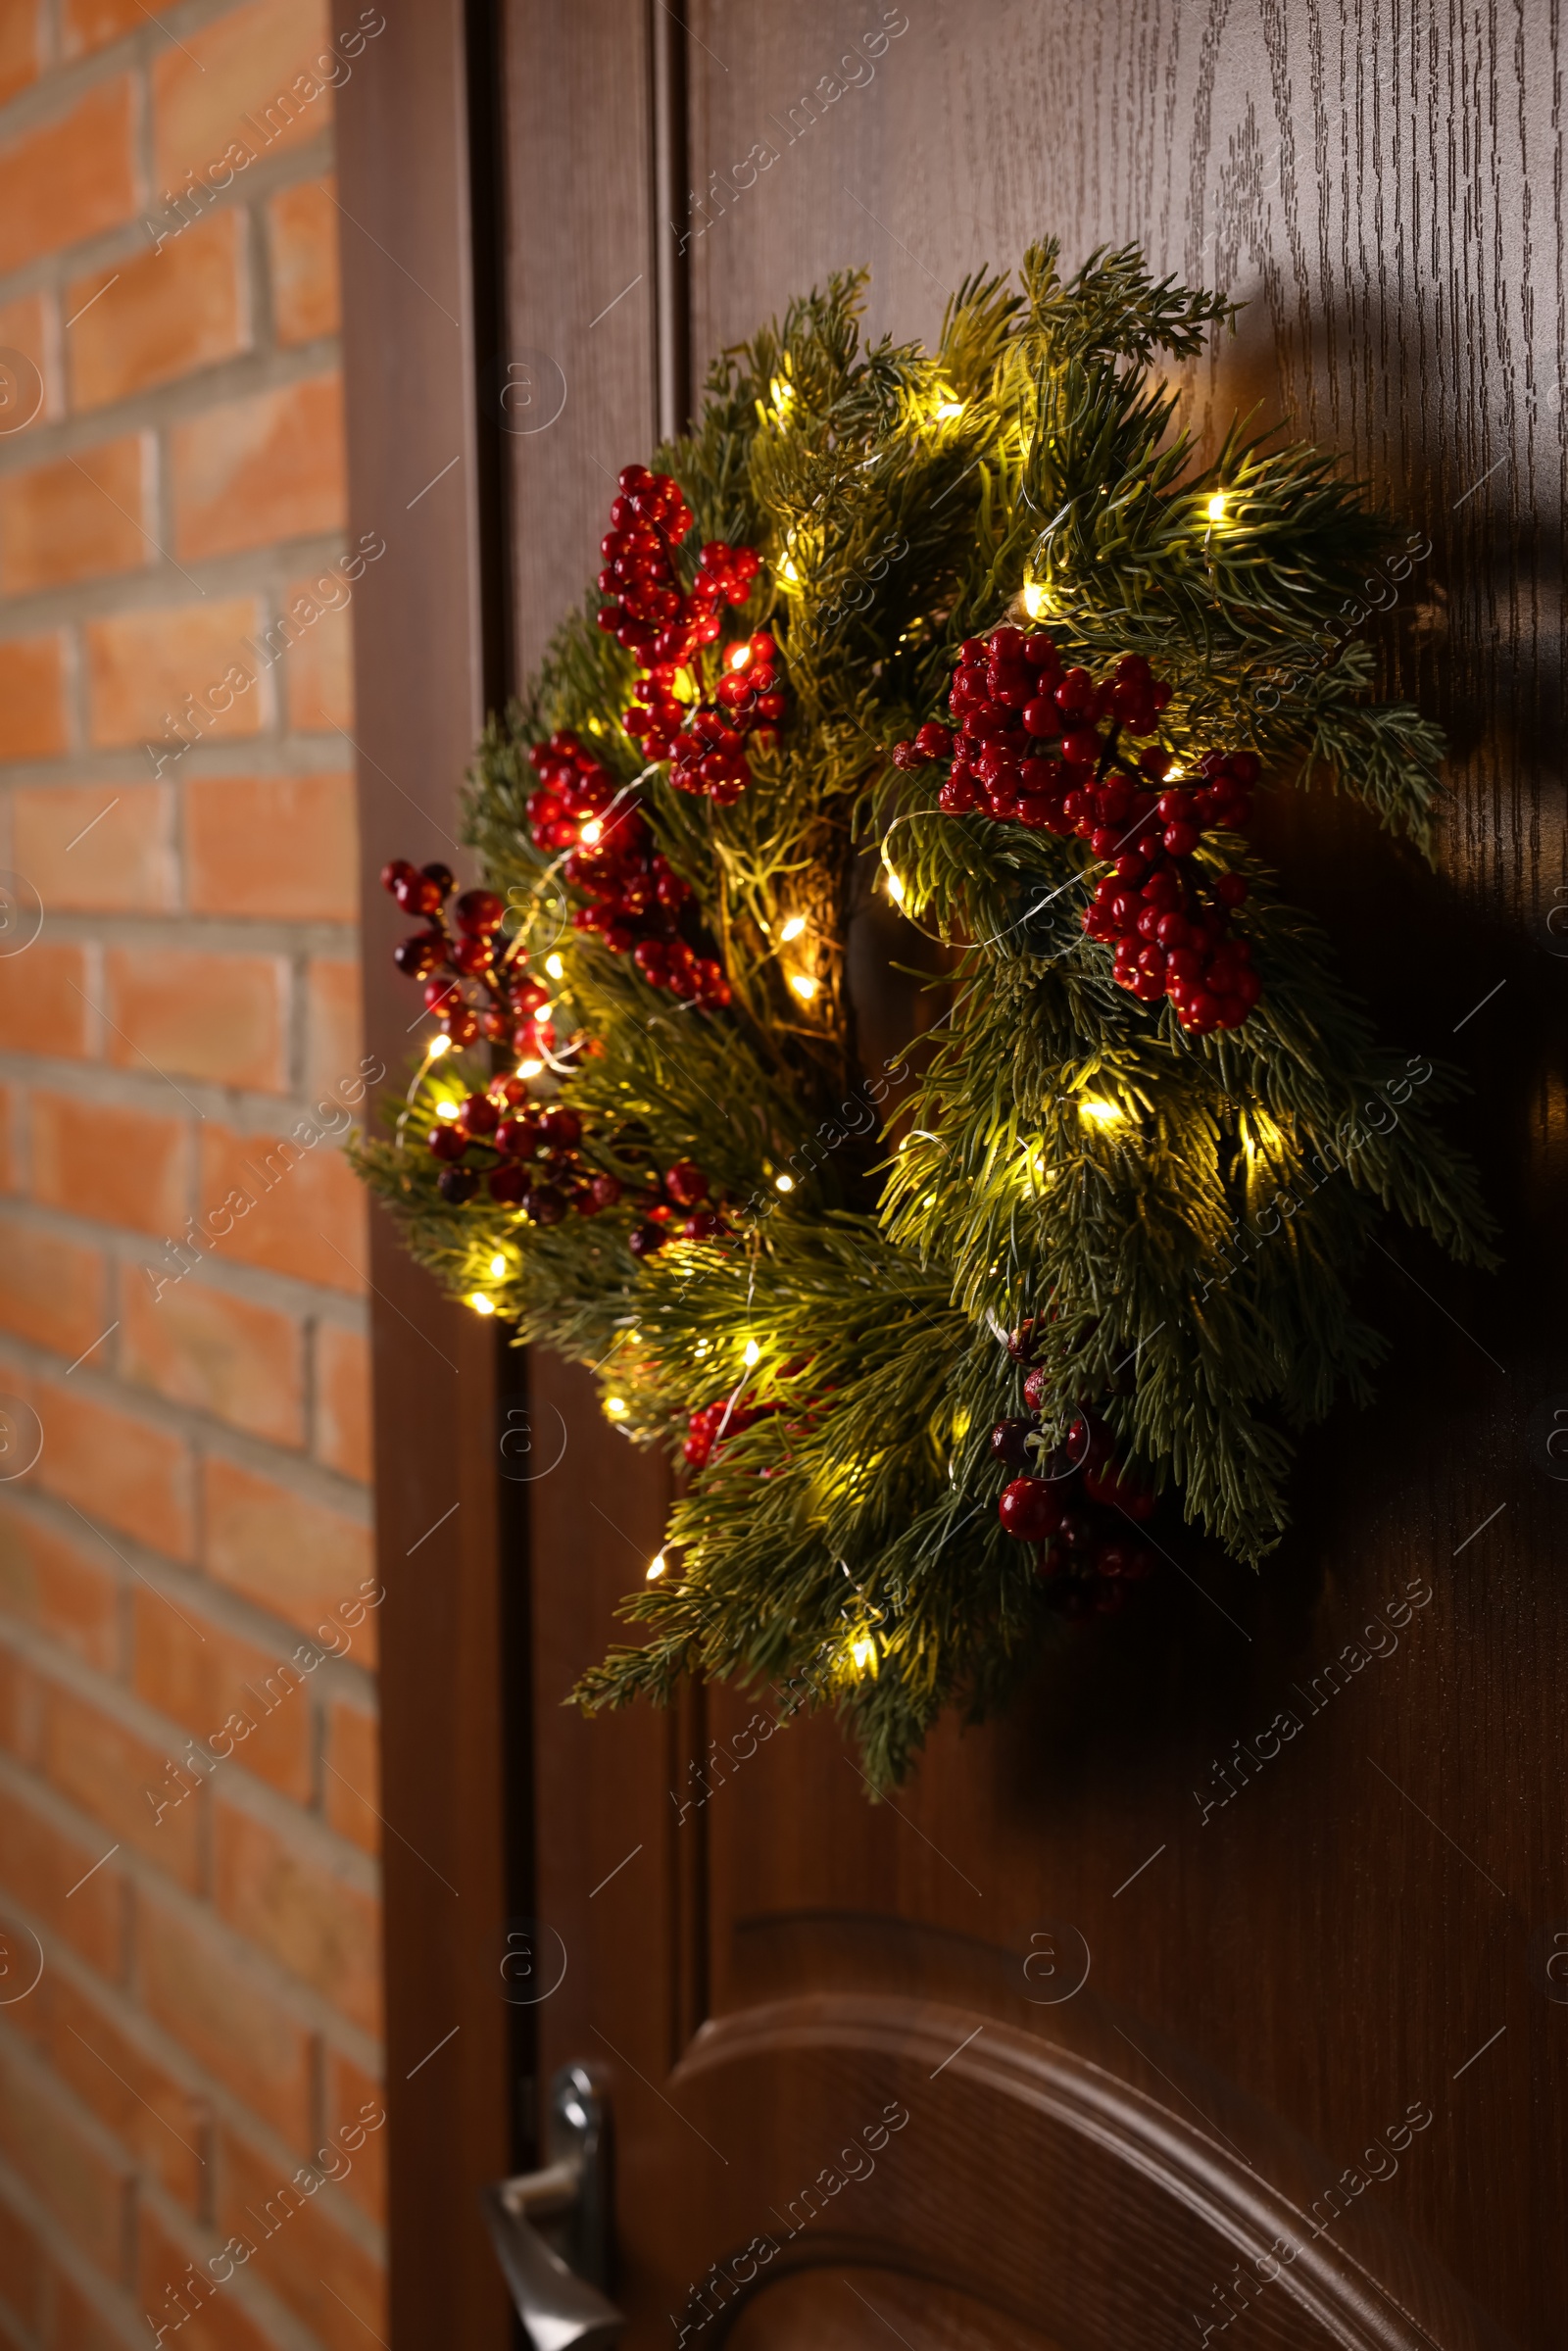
559	2300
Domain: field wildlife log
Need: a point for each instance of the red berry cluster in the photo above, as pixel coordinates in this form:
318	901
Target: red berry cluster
527	1158
675	1208
702	1427
1043	746
665	628
511	1008
636	899
1074	1504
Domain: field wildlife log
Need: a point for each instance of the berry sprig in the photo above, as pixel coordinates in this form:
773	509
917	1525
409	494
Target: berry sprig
526	1156
638	903
675	1207
727	1417
665	628
511	1009
1073	1505
1039	745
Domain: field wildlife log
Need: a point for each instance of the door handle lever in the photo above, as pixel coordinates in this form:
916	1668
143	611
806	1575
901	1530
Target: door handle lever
560	2300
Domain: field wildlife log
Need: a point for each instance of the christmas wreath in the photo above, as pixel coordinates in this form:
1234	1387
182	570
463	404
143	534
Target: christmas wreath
959	1345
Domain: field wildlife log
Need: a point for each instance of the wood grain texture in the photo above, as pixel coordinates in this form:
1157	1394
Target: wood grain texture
1361	1919
405	240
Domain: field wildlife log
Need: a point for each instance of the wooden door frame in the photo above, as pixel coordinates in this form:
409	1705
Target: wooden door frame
415	167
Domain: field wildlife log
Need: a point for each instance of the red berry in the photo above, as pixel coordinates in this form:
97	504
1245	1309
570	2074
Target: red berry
442	877
461	1026
1008	1442
422	953
1230	888
446	1142
478	1116
398	871
686	1184
508	1185
606	1190
1181	839
1082	747
1035	1388
478	910
457	1184
561	1128
1030	1510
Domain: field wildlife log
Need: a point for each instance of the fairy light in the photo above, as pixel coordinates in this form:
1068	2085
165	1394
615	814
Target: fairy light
1103	1113
896	889
788	571
529	1070
947	410
438	1046
1215	508
498	1265
655	1568
794	927
753	1352
1036	599
803	985
1174	772
615	1406
591	832
555	966
739	656
482	1304
446	1109
784	1183
862	1653
782	394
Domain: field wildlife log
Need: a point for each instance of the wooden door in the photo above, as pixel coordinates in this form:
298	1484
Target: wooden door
1121	2026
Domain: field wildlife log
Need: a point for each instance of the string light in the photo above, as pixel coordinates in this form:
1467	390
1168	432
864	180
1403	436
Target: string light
446	1109
949	408
438	1046
482	1304
529	1070
555	966
498	1265
591	832
789	572
783	1183
753	1350
803	986
655	1568
615	1406
739	656
1036	601
1103	1113
794	927
862	1653
1215	508
782	394
896	889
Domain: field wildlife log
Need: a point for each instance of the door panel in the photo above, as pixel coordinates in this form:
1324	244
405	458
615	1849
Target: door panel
1287	1953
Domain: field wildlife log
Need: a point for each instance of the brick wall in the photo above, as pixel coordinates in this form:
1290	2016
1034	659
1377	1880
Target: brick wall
187	1832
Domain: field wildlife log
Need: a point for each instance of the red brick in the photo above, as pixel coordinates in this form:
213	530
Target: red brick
29	400
213	1685
71	179
222	1017
287	1554
352	1784
302	240
51	1585
24	1699
145	666
42	2141
123	1166
32	698
307	2258
77	2324
75	517
217	87
47	1873
98	847
19	48
122	1779
308	1216
320	1930
20	2266
197	1345
343	1401
43	1000
254	470
215	2319
50	1291
319	671
336	1041
193	1986
133	1477
93	23
164	314
155	2117
353	2100
283	846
